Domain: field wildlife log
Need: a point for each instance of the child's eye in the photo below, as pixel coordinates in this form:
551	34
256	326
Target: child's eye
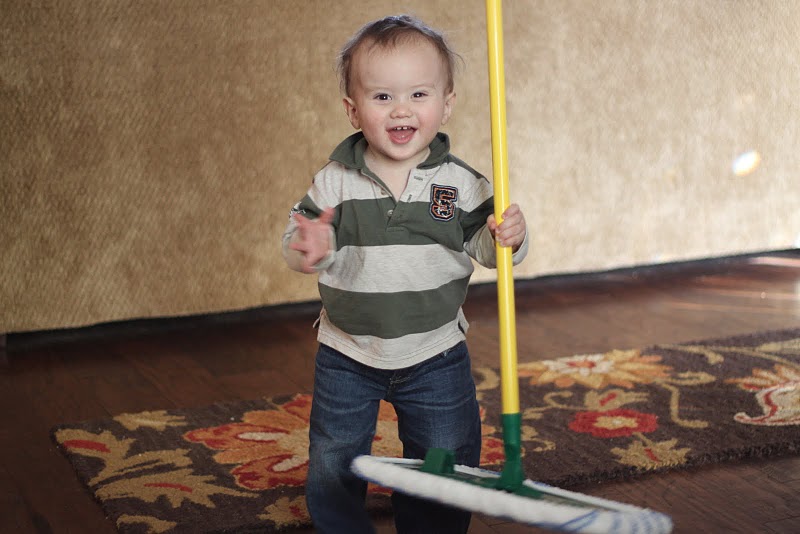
419	94
382	96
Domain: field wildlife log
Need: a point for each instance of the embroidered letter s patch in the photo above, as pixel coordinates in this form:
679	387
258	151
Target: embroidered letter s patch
443	202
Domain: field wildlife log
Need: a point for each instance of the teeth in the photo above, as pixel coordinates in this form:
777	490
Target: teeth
402	128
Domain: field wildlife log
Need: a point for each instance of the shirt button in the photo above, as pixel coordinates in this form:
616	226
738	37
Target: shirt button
389	213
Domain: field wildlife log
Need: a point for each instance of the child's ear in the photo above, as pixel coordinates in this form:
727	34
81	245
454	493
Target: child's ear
449	102
352	113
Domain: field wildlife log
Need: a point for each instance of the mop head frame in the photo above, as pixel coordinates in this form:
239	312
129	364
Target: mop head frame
536	504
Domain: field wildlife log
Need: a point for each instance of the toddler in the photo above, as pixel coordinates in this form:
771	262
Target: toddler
390	224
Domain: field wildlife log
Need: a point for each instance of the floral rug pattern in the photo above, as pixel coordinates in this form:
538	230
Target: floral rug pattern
241	466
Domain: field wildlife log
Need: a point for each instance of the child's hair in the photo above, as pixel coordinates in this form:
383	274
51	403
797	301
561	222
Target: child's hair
388	32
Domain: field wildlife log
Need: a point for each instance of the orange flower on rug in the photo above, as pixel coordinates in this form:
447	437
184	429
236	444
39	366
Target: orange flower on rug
241	466
268	447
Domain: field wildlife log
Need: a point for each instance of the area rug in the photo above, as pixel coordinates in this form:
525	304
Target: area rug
241	466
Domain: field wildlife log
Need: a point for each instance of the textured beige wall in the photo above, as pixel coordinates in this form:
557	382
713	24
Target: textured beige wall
150	151
628	115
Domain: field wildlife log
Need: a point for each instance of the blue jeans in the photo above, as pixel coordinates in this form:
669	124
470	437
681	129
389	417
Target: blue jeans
436	407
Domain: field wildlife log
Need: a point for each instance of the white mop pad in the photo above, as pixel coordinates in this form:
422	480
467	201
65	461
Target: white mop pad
557	509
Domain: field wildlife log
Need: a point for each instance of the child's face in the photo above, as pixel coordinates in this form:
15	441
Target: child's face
399	99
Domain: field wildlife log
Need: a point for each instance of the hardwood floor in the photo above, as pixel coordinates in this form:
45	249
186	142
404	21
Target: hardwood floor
59	377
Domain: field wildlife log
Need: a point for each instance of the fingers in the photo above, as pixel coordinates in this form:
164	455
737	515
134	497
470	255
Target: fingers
512	217
492	224
510	232
512	211
312	238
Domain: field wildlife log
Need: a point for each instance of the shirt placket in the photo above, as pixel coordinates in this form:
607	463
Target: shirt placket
416	187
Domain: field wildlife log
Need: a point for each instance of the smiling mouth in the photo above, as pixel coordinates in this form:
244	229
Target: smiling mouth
401	134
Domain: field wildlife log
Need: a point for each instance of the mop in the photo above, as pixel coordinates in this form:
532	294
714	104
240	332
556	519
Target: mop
506	494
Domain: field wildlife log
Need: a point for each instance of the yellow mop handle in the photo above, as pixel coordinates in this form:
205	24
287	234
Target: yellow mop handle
505	278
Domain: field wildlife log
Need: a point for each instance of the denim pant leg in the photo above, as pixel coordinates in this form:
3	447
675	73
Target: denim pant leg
436	407
344	412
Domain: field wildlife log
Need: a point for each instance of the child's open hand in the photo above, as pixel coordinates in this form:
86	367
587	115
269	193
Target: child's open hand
511	231
313	238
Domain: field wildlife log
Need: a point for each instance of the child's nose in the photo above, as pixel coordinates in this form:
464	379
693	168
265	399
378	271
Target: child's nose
402	109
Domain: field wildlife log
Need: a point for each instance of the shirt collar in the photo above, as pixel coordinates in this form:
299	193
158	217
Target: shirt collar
350	152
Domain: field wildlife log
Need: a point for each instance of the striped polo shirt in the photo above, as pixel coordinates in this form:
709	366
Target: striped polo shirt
394	282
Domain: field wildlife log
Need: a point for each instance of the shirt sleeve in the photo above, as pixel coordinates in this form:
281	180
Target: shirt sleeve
482	248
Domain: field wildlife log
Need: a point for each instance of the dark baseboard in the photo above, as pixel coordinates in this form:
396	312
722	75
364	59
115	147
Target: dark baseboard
19	342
